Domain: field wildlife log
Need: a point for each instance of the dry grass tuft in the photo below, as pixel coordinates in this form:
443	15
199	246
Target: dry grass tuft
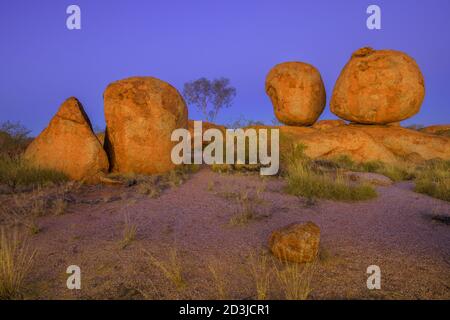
295	279
18	174
171	268
261	272
25	208
217	273
433	179
16	260
129	232
247	210
154	185
398	172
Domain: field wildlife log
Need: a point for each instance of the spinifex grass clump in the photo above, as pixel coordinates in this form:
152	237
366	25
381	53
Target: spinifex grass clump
218	279
154	185
295	279
247	210
433	179
261	272
16	172
304	180
16	260
395	172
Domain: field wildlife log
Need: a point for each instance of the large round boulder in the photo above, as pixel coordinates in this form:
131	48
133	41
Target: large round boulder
141	113
297	93
378	87
69	145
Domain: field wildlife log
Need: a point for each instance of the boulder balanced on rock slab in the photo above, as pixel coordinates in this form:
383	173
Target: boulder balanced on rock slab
69	145
297	93
296	242
141	114
365	143
378	87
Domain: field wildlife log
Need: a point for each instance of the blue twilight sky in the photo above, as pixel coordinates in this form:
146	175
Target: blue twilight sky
42	62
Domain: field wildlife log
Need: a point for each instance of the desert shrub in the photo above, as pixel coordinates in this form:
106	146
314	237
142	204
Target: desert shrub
304	181
235	168
24	209
243	122
444	133
16	260
16	172
247	210
344	162
433	179
13	139
154	185
395	172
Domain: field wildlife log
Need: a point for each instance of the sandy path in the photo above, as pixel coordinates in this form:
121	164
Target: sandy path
392	231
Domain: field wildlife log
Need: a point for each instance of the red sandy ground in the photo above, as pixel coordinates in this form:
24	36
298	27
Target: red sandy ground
393	231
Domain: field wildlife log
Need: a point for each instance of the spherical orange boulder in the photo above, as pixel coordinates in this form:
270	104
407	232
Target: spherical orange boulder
297	93
141	113
378	87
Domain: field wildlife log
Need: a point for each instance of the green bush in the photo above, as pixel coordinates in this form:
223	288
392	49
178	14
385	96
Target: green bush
16	172
13	139
304	181
394	172
433	179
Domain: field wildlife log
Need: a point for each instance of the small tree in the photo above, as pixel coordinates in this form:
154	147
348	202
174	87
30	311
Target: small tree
16	130
209	96
14	138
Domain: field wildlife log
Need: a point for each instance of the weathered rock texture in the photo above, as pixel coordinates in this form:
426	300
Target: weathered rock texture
69	145
297	93
443	129
369	143
141	114
327	124
297	242
378	87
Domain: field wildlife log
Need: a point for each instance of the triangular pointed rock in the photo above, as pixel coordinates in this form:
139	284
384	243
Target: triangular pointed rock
69	145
